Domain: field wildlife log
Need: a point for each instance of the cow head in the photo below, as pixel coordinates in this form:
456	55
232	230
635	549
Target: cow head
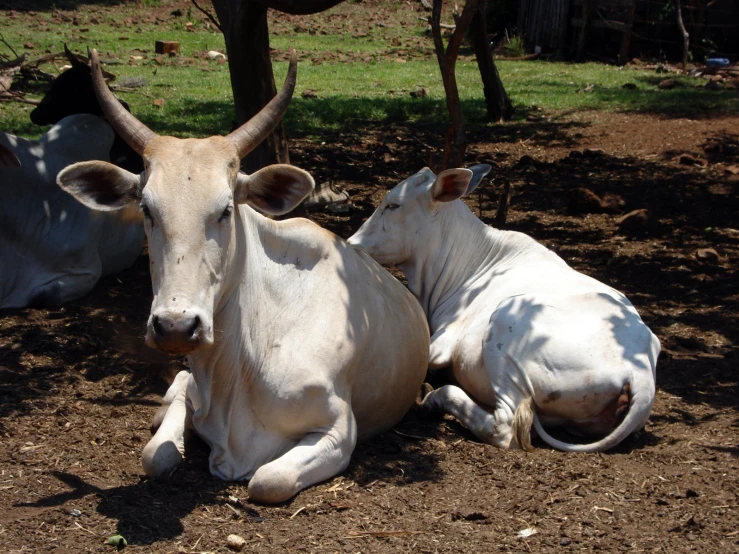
188	192
70	93
410	213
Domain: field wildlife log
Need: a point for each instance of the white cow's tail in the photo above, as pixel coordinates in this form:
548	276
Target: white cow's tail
642	398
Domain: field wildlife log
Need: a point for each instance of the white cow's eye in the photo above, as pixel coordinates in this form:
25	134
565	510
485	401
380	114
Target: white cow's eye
392	207
226	214
145	211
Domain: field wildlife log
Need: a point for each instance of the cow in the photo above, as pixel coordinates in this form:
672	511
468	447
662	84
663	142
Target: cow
72	93
7	158
52	248
298	344
530	341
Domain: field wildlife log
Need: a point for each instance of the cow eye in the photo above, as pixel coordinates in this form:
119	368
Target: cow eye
392	207
226	214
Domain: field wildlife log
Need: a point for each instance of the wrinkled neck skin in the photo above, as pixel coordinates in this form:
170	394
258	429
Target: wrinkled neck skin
449	262
225	372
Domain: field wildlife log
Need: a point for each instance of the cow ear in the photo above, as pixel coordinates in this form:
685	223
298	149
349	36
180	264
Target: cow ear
478	173
101	185
275	189
7	158
451	185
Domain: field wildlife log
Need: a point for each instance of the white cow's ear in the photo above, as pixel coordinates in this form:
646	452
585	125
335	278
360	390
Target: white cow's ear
478	173
451	185
100	185
275	189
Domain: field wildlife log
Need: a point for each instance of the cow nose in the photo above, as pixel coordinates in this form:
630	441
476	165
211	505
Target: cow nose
181	333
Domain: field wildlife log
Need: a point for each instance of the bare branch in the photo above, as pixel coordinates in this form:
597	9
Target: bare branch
212	18
2	39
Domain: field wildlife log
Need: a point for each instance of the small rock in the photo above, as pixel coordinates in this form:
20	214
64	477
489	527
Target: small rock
215	55
635	222
687	159
525	161
667	84
565	541
584	201
707	255
309	93
235	542
159	102
575	154
593	152
420	93
712	85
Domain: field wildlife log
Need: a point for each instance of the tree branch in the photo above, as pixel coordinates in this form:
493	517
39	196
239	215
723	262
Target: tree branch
210	16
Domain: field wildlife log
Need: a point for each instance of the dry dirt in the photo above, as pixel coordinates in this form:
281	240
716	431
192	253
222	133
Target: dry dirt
78	388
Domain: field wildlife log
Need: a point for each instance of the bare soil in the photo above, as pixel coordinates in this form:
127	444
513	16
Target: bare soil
78	387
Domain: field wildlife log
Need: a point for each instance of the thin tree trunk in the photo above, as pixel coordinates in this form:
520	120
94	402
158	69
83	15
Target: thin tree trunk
683	32
456	145
252	81
498	104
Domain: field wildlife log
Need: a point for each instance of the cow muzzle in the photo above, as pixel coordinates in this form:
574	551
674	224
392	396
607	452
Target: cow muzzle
179	333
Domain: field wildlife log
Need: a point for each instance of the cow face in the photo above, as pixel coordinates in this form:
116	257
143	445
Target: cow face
409	214
188	193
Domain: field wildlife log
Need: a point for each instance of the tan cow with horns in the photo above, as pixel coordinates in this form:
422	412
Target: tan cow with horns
298	343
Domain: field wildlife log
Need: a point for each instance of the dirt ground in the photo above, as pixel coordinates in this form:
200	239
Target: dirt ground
78	387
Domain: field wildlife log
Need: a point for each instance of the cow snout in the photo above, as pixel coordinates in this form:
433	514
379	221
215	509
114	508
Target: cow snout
182	332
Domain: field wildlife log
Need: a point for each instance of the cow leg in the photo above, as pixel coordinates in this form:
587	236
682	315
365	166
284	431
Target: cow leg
493	428
317	457
166	449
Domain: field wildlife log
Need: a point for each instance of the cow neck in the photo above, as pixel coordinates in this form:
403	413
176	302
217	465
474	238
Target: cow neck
460	253
249	287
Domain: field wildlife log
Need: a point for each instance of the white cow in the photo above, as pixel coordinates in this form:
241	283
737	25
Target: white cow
529	339
298	343
52	248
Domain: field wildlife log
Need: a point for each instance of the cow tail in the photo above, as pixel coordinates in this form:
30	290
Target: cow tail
640	406
522	420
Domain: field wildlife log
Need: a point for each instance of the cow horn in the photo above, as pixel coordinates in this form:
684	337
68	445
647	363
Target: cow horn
253	132
131	130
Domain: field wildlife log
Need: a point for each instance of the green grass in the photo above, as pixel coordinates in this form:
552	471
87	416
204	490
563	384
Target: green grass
199	102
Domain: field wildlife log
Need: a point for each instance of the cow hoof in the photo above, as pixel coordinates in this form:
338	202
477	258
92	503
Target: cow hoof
158	460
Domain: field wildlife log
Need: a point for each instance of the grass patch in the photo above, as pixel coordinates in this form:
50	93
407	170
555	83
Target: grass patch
198	93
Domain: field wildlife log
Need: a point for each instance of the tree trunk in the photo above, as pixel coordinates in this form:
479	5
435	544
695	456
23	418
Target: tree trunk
582	39
245	31
455	144
498	104
683	33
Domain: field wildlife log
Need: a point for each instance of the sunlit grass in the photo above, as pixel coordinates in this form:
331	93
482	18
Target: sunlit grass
198	98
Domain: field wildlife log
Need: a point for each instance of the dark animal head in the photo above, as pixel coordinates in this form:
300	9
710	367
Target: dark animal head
71	93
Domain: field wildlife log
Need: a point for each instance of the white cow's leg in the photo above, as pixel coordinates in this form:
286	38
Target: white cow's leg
166	449
493	428
317	457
